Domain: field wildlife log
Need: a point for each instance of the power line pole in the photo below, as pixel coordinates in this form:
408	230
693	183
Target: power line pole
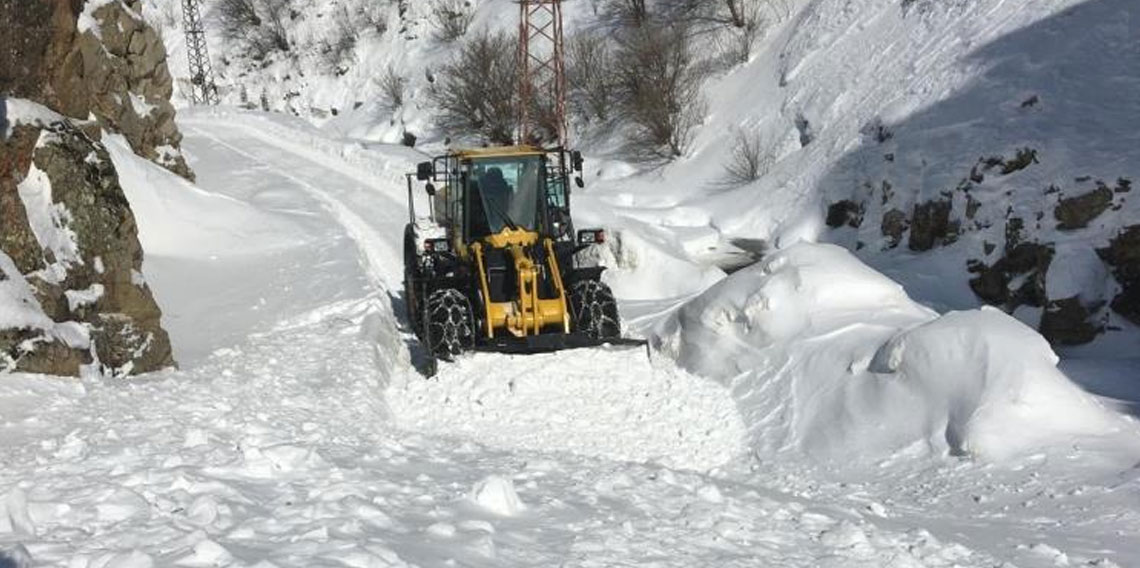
203	90
542	85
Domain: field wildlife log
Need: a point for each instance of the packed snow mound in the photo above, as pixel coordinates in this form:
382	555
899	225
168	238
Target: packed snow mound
609	403
990	383
825	355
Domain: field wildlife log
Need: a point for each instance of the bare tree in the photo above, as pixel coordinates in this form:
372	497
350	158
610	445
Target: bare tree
659	88
238	17
704	15
476	91
750	158
590	85
451	18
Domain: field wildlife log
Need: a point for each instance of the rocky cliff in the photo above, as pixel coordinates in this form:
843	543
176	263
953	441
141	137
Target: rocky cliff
72	293
99	60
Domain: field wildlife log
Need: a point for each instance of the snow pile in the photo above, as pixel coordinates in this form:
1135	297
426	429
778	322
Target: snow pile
497	495
827	356
609	403
19	308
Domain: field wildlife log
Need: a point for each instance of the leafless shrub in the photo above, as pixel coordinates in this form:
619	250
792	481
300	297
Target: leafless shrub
259	23
631	13
392	85
451	18
658	89
705	15
588	75
476	92
375	16
750	158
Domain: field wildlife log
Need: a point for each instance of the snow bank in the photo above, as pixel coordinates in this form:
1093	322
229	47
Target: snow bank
826	356
178	219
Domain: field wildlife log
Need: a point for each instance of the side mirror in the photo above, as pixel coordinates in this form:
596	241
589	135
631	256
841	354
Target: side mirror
591	236
576	160
430	189
578	181
425	171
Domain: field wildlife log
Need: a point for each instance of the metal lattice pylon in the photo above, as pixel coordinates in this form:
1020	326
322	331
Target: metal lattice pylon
542	84
203	90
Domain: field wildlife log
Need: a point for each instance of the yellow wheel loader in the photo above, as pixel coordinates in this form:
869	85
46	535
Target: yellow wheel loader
493	266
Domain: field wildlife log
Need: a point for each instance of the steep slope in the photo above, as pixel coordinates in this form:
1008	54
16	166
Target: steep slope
978	152
961	147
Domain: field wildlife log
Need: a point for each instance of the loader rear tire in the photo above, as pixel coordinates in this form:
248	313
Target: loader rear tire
451	323
593	310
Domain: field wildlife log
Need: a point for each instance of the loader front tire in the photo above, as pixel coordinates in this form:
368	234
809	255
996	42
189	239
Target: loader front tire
451	323
593	310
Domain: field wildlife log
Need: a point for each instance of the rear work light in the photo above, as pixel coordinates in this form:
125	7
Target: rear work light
437	245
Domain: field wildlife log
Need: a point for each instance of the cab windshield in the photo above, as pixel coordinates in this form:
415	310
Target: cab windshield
506	189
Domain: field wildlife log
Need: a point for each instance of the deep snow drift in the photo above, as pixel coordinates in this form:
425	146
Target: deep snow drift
827	356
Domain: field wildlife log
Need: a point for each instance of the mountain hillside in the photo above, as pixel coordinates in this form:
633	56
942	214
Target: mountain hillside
979	152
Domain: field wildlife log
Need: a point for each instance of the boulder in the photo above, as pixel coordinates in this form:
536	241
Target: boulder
1068	321
1123	257
845	212
1016	279
1075	212
930	225
893	227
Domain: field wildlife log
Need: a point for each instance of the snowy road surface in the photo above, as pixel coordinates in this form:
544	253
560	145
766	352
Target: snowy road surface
298	433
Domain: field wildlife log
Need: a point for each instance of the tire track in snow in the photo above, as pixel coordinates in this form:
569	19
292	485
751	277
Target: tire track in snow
380	260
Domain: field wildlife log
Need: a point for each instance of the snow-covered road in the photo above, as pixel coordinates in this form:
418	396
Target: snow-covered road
298	433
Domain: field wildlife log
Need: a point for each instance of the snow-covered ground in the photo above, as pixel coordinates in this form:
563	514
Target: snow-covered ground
298	431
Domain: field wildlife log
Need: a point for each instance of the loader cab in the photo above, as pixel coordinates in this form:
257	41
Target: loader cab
487	190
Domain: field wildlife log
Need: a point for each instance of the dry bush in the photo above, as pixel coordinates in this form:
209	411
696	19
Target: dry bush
658	88
392	86
590	86
375	16
750	158
631	13
259	23
451	18
476	91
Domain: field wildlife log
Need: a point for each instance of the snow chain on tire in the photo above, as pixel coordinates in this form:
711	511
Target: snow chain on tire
594	310
451	321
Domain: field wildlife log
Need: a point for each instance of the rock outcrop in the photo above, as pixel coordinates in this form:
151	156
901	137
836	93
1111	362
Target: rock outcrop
1018	258
1123	255
83	264
72	293
96	59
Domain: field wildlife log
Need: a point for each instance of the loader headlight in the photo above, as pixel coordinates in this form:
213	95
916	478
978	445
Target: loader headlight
591	236
437	245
